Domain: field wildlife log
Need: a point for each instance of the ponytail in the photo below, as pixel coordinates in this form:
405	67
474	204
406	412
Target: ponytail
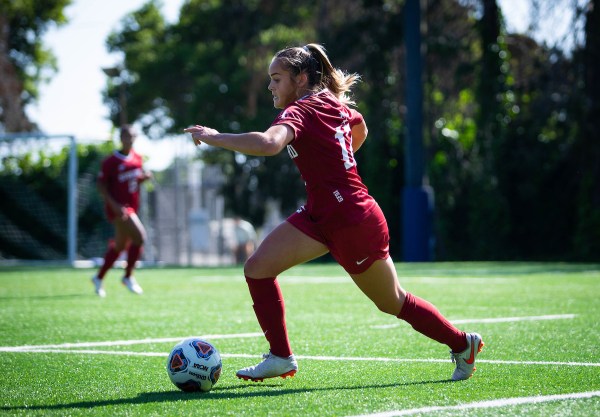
313	60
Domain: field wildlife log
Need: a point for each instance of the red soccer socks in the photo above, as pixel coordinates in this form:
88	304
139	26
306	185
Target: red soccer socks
133	254
426	319
270	311
110	257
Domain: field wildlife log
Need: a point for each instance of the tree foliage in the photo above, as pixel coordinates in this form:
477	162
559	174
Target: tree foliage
24	61
586	240
33	188
512	150
509	138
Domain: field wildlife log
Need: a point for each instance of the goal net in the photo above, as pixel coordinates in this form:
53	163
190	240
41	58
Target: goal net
42	195
52	212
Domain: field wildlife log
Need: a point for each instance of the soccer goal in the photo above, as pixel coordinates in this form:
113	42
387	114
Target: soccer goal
38	195
51	210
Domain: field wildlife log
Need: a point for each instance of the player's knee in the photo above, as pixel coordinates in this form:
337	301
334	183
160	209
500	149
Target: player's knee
388	307
250	267
119	247
139	240
256	267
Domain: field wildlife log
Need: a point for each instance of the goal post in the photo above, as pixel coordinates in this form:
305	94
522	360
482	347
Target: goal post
18	144
52	213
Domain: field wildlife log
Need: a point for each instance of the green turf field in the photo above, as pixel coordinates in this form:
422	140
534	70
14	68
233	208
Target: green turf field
66	352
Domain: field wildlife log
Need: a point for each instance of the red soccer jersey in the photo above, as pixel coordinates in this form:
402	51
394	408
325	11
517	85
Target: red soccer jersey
322	151
122	175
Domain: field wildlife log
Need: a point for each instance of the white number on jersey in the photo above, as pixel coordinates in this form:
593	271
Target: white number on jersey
341	133
133	185
292	152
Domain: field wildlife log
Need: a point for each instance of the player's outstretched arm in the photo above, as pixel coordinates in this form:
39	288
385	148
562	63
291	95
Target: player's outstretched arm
267	143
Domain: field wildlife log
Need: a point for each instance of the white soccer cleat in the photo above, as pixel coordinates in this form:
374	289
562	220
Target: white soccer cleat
465	361
98	286
132	285
271	367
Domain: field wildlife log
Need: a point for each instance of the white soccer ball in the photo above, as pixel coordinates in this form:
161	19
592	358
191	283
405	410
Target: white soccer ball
194	365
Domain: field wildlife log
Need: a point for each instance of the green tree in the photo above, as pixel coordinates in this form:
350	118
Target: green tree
587	236
463	86
34	187
488	225
366	37
192	72
24	61
503	128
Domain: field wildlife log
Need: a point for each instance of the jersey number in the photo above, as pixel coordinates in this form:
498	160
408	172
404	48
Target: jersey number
133	185
341	133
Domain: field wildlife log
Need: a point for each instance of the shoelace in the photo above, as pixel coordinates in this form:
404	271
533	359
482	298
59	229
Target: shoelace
265	357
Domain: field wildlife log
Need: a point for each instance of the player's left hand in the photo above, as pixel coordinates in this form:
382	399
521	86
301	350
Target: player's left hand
200	133
122	212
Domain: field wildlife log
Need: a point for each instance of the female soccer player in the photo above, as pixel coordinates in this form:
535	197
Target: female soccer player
118	183
321	134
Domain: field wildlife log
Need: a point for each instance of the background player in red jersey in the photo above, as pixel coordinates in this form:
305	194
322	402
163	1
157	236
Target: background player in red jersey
119	183
321	134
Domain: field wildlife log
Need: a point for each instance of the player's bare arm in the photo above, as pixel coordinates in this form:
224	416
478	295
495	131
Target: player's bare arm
359	134
267	143
147	175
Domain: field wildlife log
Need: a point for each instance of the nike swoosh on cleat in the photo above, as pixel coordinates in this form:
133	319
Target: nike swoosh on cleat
472	356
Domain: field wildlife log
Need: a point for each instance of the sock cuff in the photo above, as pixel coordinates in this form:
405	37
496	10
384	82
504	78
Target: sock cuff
260	281
264	290
407	307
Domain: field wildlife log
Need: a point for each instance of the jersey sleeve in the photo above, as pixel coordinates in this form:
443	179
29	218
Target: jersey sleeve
293	117
356	117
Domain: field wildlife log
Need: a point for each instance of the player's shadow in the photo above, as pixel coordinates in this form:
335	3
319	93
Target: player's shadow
224	393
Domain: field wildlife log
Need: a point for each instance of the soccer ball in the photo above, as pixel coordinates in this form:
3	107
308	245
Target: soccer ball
194	365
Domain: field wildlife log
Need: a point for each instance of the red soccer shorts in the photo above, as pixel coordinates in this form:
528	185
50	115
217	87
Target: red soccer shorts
355	247
110	215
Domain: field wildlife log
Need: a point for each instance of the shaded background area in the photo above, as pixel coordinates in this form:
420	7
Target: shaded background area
509	145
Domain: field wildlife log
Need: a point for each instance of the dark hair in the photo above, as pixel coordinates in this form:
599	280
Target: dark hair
312	59
127	129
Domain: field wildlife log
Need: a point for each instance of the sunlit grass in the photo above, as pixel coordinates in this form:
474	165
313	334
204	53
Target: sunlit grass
327	317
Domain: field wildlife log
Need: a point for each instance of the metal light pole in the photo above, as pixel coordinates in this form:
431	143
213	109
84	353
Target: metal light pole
417	197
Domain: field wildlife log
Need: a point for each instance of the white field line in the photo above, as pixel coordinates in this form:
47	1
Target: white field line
41	349
501	362
502	402
77	348
243	335
494	320
123	342
297	279
511	319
